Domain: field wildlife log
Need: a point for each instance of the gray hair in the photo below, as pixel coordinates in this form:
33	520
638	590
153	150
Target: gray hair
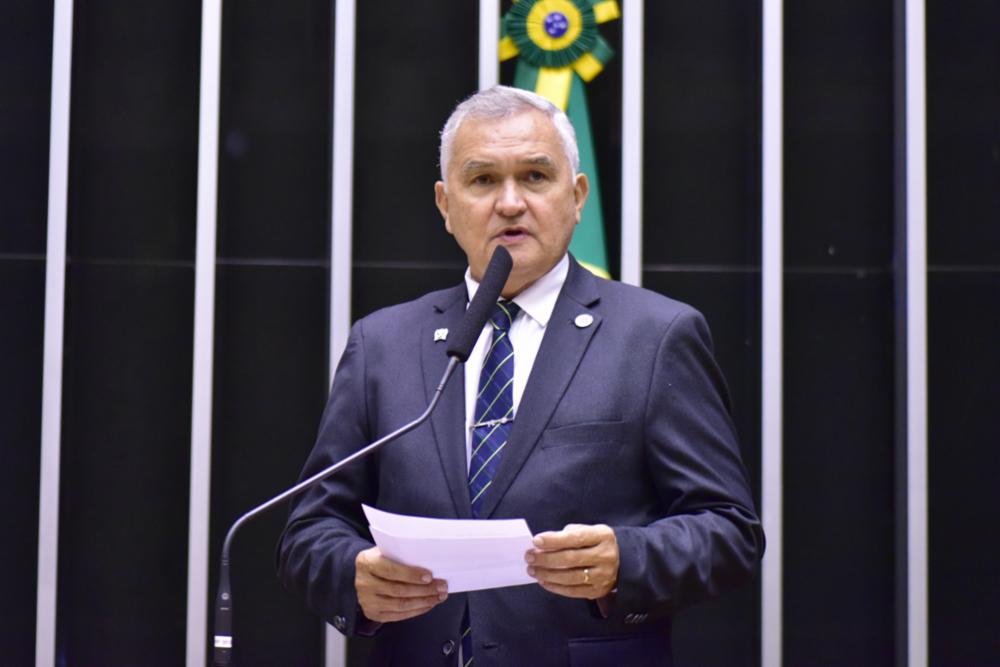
501	102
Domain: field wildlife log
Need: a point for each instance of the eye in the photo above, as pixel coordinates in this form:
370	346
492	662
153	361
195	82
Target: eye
536	176
482	179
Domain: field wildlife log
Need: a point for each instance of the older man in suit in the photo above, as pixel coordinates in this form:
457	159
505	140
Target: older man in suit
593	409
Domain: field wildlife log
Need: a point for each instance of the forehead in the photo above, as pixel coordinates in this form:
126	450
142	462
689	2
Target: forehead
520	136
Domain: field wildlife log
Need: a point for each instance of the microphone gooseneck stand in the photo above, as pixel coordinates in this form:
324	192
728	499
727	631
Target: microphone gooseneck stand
462	340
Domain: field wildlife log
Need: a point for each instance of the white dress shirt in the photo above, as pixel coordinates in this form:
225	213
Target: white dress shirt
526	331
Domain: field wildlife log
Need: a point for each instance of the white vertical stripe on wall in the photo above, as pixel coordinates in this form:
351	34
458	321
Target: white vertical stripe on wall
52	364
916	334
204	326
489	34
632	96
342	217
771	333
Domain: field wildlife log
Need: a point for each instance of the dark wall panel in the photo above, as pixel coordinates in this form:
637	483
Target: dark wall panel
25	85
410	73
838	470
963	200
22	300
964	458
726	631
379	287
125	456
275	129
129	321
272	298
838	133
839	369
701	156
134	130
963	138
270	388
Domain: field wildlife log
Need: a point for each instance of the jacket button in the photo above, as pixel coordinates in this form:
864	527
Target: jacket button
448	647
339	622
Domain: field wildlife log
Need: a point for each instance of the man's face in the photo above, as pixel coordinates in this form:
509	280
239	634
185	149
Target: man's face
510	184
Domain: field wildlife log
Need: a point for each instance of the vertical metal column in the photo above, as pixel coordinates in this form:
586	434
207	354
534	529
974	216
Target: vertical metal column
489	35
916	334
55	302
342	213
204	326
633	29
772	268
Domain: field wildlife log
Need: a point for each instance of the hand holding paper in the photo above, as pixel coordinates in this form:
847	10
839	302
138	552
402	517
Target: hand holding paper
468	554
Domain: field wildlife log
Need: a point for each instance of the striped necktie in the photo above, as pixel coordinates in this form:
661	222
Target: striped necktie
494	417
494	412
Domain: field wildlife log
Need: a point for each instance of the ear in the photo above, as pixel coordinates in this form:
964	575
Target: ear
441	201
581	189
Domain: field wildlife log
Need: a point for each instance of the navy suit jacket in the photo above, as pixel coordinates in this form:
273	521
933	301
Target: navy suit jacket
624	422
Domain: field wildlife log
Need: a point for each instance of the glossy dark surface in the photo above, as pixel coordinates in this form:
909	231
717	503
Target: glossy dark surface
275	128
701	176
839	469
963	134
402	100
963	289
123	524
22	299
134	131
838	133
123	520
25	82
839	338
964	432
25	85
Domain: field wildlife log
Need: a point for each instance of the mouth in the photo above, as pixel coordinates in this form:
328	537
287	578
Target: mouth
512	235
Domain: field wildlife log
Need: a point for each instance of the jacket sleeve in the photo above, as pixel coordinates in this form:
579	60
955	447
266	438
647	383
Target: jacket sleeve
326	528
708	538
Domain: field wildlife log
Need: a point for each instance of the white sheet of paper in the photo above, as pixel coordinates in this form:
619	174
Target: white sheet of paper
470	554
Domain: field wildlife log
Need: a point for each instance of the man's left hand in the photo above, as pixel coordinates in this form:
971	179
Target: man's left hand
578	561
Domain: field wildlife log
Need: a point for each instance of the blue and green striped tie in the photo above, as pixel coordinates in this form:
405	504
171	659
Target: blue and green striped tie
494	406
494	420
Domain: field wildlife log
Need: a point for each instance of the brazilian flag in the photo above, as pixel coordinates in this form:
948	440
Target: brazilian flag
559	50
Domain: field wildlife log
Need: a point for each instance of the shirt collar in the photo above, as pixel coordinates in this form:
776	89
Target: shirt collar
539	300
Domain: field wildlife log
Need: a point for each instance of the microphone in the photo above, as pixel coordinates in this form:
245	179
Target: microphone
459	348
460	342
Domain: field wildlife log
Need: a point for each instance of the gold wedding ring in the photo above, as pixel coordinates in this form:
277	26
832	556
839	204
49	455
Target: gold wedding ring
586	575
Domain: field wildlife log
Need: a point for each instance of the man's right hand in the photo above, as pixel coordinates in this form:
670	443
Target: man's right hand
390	591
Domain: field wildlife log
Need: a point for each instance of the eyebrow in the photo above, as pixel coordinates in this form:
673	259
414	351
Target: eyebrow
539	160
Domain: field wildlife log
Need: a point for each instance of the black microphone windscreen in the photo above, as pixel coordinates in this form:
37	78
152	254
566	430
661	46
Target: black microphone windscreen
460	342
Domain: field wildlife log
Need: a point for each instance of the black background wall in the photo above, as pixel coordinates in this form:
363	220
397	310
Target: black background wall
130	296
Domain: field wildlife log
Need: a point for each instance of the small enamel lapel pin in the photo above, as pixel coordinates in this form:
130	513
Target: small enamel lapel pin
440	335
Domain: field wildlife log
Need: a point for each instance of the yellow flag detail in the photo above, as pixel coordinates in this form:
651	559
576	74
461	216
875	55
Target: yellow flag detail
553	84
508	49
587	66
606	11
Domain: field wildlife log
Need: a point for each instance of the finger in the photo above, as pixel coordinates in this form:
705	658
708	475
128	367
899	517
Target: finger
403	605
396	589
574	577
573	536
386	568
565	558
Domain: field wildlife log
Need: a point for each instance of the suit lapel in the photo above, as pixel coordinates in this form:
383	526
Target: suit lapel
561	351
448	419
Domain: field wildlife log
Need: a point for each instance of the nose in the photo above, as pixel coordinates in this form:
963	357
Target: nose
509	202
